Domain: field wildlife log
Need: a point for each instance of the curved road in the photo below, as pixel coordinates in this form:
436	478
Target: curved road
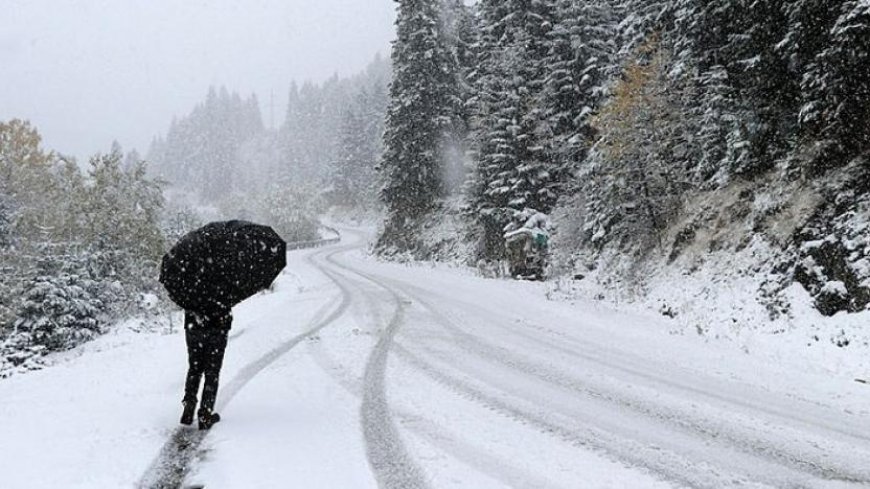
464	382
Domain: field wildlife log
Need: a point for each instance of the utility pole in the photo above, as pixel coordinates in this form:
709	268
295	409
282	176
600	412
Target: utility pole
272	109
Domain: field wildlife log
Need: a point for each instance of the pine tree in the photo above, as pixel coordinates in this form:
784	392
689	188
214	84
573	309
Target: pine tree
60	306
745	38
639	20
837	87
462	37
808	25
422	93
5	222
581	50
713	105
514	169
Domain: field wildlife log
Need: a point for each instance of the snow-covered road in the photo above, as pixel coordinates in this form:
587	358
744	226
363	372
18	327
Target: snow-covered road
355	374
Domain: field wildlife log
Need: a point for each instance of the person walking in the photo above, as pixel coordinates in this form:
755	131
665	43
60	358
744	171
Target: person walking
206	338
207	272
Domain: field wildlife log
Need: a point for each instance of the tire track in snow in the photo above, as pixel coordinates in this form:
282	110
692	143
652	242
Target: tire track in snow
634	367
393	467
480	459
169	468
580	436
810	458
672	467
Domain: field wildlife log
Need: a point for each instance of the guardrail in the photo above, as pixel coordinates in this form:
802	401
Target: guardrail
316	243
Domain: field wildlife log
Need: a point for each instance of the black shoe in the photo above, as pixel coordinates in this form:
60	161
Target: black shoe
207	420
187	414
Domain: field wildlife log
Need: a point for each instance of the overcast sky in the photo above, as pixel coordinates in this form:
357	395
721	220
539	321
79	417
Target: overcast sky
87	72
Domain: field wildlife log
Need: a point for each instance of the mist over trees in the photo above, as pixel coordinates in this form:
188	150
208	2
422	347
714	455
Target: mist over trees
323	153
202	148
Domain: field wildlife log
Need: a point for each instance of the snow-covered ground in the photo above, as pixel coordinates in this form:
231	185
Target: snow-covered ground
721	298
355	374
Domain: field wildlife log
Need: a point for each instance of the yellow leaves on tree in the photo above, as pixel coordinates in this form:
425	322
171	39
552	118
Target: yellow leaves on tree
22	159
640	129
628	122
25	177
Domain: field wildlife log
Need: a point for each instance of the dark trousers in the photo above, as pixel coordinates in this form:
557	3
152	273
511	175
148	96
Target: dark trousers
206	342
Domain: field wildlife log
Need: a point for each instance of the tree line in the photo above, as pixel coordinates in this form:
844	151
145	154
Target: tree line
614	112
78	247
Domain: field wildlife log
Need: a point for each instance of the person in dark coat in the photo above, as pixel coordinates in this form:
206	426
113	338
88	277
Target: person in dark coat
206	338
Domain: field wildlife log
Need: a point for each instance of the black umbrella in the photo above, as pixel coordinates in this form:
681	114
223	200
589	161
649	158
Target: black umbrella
221	264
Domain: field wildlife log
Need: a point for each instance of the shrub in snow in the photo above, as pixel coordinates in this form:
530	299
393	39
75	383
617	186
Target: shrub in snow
834	248
61	301
59	312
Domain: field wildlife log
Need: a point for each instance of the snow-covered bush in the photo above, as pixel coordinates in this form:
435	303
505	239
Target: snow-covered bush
832	252
58	302
60	311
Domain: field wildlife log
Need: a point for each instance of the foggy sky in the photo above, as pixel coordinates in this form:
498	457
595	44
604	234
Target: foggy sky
87	72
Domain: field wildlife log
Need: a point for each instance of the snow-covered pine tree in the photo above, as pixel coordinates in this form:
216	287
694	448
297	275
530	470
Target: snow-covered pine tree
113	220
422	93
639	19
808	25
60	306
750	34
462	37
837	89
710	102
59	312
514	170
580	52
6	217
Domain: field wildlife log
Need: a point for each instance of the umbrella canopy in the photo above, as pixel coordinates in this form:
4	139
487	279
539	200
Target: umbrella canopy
221	264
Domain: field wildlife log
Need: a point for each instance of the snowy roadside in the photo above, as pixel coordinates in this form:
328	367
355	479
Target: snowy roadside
98	415
719	301
716	308
725	300
784	354
106	402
